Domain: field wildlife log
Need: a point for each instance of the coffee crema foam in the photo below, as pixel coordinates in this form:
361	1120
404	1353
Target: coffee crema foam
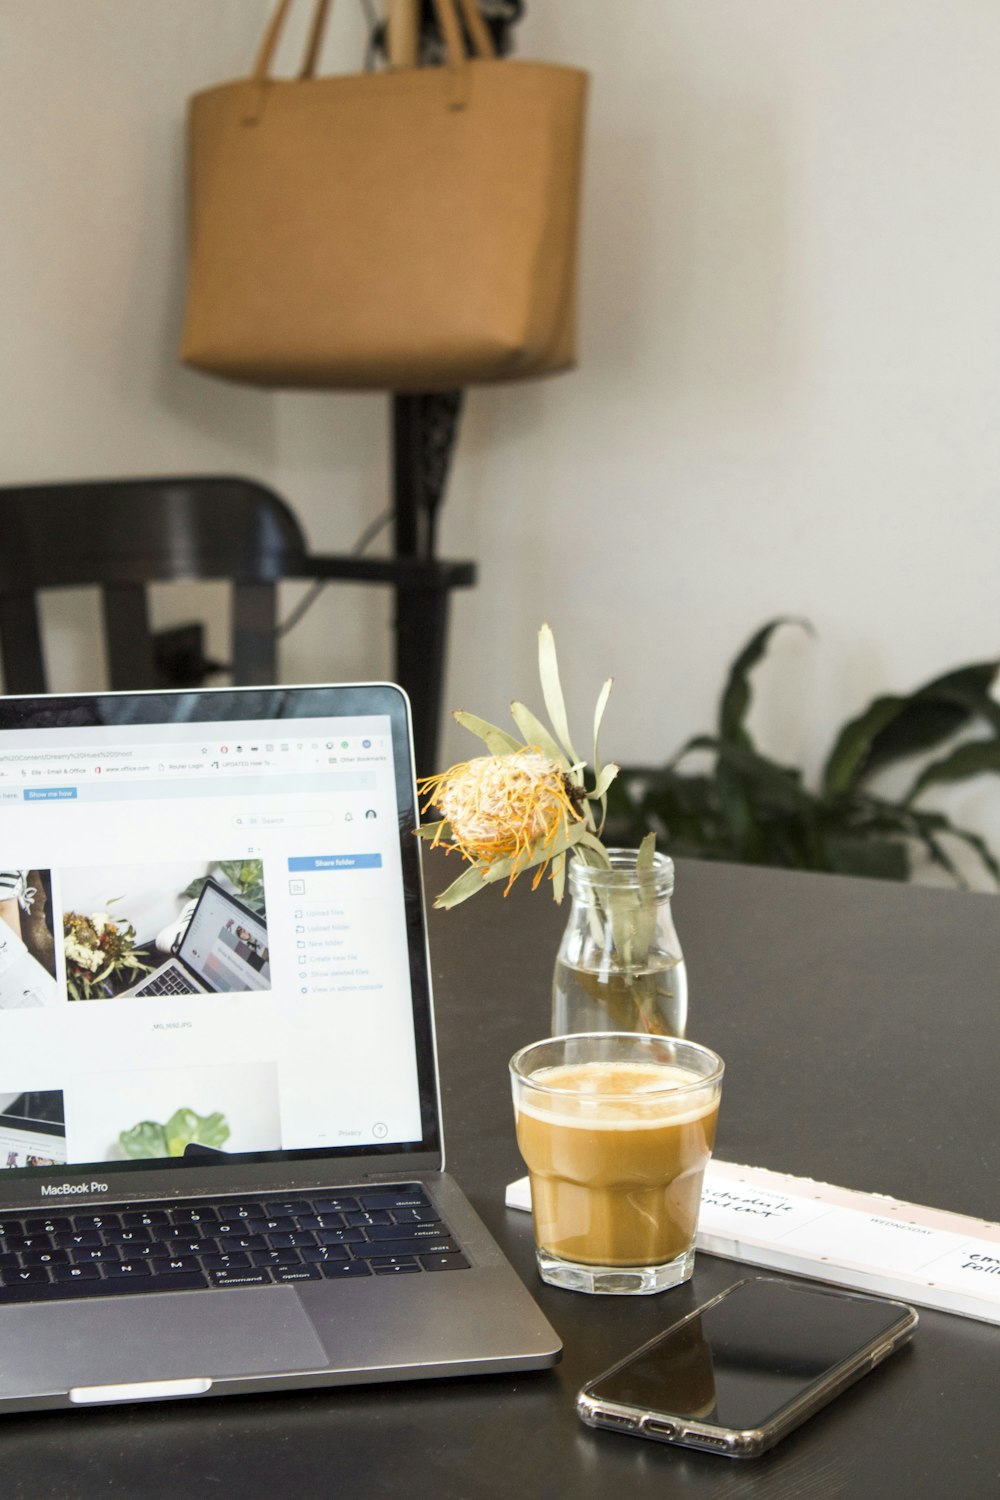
616	1159
617	1095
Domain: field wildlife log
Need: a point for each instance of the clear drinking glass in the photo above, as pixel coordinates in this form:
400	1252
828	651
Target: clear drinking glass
615	1129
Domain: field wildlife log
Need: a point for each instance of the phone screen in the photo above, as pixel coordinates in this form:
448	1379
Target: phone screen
750	1354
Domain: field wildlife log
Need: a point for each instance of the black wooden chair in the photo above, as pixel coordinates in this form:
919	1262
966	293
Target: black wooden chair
124	534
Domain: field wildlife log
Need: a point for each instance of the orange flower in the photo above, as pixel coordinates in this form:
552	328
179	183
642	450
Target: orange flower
504	807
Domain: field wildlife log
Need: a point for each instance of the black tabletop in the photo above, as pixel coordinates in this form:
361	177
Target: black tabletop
860	1023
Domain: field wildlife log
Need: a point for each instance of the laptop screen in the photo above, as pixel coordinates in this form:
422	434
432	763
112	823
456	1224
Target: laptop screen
257	840
224	944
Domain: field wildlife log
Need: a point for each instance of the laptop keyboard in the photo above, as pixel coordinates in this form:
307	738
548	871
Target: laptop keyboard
164	1247
169	981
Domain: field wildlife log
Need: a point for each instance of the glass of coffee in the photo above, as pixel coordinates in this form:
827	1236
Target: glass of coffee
616	1129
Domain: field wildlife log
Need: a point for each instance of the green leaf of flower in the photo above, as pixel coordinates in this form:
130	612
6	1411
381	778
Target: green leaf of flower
496	740
468	883
603	781
535	733
548	671
602	703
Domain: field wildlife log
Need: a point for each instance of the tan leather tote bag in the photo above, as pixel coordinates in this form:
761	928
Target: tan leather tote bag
407	230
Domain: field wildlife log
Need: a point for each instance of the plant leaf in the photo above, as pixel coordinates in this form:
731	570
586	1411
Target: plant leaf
894	726
604	780
431	830
967	760
468	883
644	858
602	703
496	740
548	671
736	695
535	733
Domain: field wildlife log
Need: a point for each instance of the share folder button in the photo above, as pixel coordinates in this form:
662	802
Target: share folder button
318	862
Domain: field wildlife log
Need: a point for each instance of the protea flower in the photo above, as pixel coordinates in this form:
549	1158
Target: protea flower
526	804
517	808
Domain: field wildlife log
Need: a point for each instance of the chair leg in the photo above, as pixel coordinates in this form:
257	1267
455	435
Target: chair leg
129	642
21	641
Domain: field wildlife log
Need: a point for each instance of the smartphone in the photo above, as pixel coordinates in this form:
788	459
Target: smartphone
740	1372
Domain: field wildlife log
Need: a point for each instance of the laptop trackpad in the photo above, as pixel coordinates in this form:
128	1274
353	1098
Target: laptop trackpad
174	1336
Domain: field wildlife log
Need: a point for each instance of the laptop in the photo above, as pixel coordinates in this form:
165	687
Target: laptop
222	948
240	1186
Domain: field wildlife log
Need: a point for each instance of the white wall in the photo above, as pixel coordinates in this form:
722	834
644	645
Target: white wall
788	387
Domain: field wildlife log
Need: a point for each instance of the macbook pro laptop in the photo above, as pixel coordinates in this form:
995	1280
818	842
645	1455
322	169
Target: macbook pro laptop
239	1186
222	947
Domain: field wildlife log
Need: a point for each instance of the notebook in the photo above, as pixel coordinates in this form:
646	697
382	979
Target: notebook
237	1186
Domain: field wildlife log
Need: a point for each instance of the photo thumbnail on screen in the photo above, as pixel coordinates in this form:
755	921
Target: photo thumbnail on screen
168	930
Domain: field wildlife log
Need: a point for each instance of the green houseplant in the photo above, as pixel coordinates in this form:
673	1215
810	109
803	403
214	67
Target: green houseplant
749	808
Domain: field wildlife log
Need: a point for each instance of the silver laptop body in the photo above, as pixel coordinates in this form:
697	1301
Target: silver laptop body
310	1083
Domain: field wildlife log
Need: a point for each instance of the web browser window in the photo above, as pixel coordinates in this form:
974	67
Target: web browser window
202	939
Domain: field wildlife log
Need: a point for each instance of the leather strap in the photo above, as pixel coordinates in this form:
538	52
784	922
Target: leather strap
445	10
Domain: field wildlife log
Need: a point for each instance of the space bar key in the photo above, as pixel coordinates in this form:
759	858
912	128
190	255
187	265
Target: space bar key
81	1291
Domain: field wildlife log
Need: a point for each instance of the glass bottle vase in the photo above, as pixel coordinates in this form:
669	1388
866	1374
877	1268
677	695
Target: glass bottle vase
620	965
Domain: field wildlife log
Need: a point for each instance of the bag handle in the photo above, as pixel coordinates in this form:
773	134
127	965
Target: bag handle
447	17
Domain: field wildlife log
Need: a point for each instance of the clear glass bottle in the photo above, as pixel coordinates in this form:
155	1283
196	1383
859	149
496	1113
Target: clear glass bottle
620	965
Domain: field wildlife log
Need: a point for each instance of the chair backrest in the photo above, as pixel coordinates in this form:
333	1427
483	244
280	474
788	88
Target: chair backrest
123	534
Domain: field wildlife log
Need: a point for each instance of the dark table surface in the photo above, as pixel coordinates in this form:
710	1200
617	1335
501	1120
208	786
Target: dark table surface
860	1022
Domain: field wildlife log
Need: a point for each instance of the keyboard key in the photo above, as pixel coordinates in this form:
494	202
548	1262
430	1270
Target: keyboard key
340	1236
241	1211
416	1215
444	1262
377	1216
44	1257
337	1270
321	1221
193	1246
26	1276
139	1235
57	1291
16	1241
95	1252
146	1216
335	1205
439	1246
243	1242
297	1237
298	1273
291	1206
393	1263
317	1253
395	1198
406	1231
172	1265
201	1213
96	1221
90	1272
276	1258
126	1269
256	1276
221	1260
402	1268
76	1239
46	1226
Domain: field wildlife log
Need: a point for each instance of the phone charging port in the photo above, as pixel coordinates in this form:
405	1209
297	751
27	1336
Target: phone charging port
657	1428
